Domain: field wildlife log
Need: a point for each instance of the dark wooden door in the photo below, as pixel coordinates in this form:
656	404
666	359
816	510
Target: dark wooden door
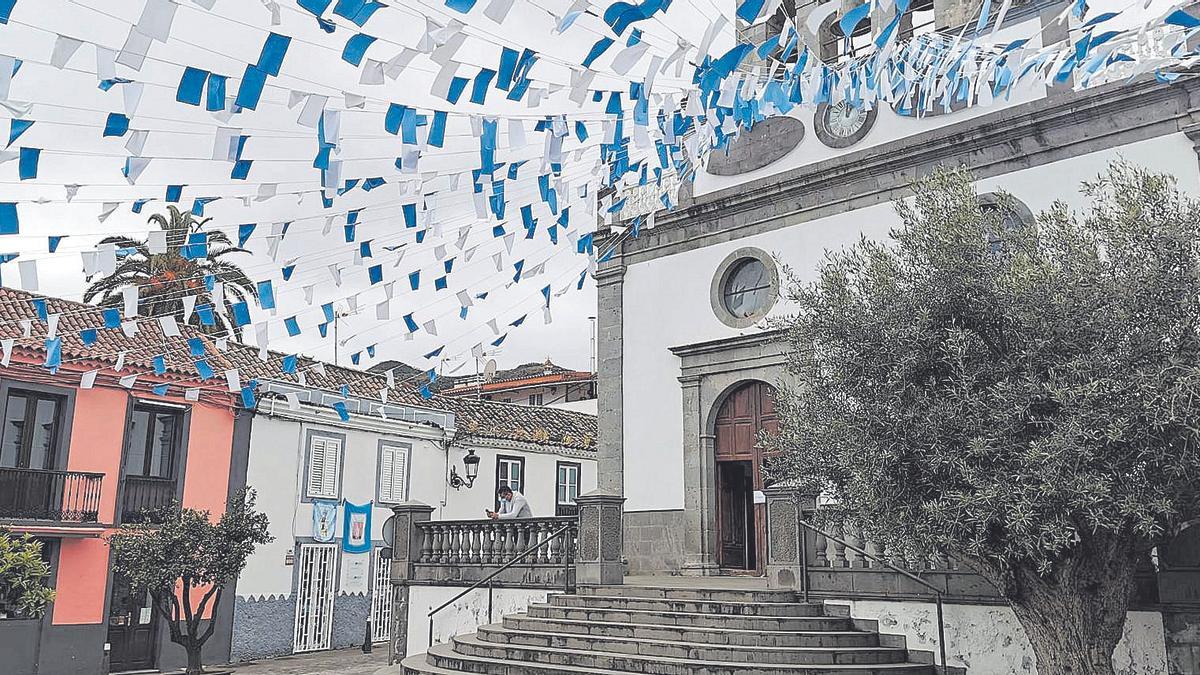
132	622
741	524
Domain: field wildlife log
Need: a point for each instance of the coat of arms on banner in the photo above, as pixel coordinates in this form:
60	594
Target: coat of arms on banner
356	533
324	521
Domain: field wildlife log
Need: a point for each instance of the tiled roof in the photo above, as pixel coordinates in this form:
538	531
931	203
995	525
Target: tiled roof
74	317
474	418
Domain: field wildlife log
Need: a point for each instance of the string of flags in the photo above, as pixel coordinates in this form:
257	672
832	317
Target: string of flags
415	135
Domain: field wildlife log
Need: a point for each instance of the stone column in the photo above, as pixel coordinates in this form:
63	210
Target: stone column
406	550
610	459
784	547
598	555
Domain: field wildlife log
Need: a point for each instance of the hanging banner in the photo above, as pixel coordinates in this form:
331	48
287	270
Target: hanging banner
324	521
356	530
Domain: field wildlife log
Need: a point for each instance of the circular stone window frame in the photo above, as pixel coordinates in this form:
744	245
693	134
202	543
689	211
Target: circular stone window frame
1017	207
721	277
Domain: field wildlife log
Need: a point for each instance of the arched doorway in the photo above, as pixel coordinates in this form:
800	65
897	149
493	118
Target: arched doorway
741	523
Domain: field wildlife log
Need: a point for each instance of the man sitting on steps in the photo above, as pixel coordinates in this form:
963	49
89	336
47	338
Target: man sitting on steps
512	505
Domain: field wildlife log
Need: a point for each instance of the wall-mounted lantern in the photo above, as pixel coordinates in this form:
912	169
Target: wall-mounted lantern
470	466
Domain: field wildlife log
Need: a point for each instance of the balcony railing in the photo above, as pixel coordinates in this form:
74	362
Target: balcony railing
58	496
466	550
145	498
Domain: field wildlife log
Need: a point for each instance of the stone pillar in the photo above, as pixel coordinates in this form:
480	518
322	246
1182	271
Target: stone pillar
784	539
598	555
610	459
699	482
406	550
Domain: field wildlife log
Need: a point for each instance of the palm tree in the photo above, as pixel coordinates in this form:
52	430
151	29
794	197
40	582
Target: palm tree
164	279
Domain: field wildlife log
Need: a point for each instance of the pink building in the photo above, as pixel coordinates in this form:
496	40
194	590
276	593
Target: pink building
82	451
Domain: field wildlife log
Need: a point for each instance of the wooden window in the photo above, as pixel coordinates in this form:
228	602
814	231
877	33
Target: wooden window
393	473
32	422
510	471
155	438
324	466
535	399
566	489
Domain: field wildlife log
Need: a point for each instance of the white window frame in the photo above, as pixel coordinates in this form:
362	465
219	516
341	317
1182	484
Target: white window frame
388	483
570	467
505	477
321	484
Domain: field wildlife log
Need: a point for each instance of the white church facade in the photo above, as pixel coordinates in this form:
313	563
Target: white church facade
688	359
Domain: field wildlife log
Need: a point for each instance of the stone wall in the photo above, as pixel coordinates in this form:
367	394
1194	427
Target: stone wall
654	541
263	626
988	640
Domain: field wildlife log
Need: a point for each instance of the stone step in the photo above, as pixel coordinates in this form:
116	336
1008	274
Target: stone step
698	651
470	654
706	594
689	619
713	636
724	608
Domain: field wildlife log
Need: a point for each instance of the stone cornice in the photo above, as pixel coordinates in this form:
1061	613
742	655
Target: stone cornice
1024	135
726	344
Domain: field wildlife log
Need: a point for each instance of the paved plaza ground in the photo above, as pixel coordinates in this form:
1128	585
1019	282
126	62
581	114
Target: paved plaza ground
340	662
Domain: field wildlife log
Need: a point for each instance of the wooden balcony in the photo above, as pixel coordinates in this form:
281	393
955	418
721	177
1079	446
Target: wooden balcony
51	496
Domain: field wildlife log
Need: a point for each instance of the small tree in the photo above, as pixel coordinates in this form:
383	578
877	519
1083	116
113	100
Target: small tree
182	554
23	577
1025	399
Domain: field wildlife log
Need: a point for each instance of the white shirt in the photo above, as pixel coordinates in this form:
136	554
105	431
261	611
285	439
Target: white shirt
517	507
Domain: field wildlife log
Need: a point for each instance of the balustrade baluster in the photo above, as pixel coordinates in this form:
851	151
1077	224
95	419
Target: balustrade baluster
874	548
477	532
543	553
443	544
510	540
820	544
839	549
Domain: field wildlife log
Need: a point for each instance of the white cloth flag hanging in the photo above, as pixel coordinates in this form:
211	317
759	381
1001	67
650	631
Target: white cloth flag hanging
64	49
234	379
192	394
170	327
128	381
7	345
157	17
130	296
29	274
189	306
156	240
120	364
88	379
129	328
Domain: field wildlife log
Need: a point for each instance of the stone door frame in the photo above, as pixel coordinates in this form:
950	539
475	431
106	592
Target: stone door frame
709	372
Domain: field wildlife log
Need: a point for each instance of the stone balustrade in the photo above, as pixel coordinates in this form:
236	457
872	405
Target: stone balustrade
495	542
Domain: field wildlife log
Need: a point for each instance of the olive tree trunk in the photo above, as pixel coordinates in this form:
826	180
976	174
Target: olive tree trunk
1075	615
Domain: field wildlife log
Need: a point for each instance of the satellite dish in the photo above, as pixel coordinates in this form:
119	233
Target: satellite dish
489	370
388	529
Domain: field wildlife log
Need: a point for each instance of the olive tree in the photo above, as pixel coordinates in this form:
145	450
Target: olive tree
180	554
1025	399
23	577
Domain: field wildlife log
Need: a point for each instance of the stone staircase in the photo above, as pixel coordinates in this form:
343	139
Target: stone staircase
669	631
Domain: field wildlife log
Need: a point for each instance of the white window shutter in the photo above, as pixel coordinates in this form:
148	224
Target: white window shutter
385	475
333	455
316	467
393	474
400	475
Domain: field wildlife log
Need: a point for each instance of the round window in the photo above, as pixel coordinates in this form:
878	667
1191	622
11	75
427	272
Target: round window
747	288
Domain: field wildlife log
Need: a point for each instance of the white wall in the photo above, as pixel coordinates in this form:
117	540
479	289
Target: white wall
464	616
275	470
666	302
988	640
541	481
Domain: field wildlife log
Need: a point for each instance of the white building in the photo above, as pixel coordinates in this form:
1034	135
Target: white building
687	368
303	592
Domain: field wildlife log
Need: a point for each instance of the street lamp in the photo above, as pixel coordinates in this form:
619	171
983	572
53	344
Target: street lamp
471	466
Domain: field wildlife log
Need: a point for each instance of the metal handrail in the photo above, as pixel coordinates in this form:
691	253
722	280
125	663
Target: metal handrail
488	579
937	592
